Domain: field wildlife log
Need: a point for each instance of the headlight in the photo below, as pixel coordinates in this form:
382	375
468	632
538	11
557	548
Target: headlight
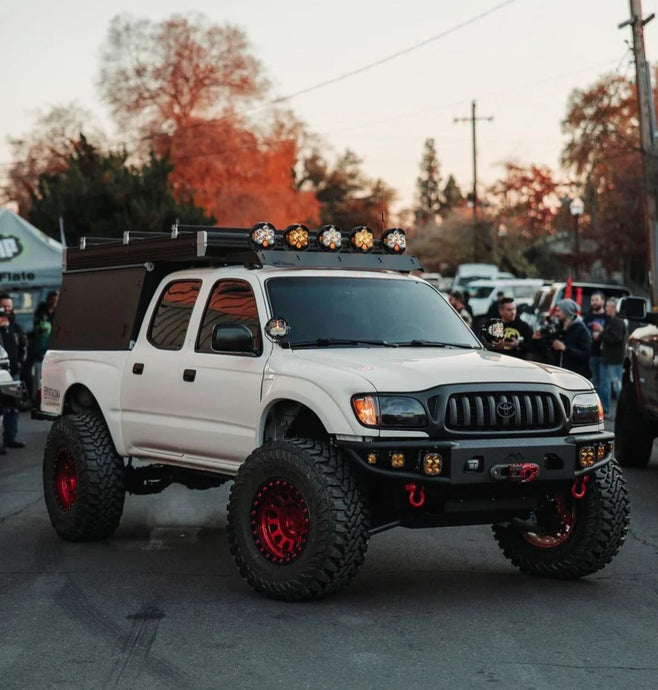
388	411
586	409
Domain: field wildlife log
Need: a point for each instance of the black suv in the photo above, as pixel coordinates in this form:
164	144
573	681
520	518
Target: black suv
636	419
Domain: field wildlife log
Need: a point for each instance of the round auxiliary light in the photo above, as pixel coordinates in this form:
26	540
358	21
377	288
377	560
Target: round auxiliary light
330	238
362	238
394	241
296	237
263	235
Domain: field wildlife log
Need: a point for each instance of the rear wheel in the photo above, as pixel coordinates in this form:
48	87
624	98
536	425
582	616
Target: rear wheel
297	522
574	537
83	478
633	433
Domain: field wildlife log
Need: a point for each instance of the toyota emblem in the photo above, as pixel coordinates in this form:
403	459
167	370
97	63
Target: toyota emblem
505	409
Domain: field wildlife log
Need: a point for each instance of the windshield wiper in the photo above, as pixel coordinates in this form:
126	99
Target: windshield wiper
435	343
328	342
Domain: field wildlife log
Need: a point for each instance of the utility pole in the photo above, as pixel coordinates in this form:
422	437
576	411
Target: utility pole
473	119
647	119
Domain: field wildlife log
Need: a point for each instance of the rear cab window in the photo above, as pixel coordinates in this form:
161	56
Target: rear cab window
171	317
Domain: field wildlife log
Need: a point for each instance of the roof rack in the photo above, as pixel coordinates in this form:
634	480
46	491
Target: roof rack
255	247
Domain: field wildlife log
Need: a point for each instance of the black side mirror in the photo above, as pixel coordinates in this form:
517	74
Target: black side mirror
492	331
232	337
633	308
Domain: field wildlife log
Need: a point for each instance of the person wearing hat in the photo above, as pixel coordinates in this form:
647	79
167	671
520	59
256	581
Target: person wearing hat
572	348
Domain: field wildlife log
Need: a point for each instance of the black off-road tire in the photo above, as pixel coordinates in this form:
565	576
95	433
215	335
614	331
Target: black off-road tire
599	523
634	434
83	478
297	521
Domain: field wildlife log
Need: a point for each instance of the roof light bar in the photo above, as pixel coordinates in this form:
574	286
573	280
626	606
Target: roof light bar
394	241
362	238
263	235
330	238
296	236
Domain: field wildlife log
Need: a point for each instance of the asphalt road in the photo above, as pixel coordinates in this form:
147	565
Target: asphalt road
160	605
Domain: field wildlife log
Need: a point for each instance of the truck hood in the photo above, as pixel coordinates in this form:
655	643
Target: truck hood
413	369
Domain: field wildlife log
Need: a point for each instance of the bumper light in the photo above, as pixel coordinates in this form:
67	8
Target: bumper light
601	451
586	456
372	458
397	460
432	464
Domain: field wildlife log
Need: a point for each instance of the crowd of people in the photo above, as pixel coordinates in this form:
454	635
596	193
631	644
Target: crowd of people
25	355
591	345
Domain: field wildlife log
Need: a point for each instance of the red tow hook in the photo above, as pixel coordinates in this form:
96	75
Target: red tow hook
579	487
416	495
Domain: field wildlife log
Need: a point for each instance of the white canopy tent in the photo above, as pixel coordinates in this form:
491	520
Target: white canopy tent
28	257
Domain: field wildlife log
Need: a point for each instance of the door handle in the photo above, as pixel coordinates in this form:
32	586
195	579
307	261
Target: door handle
189	374
138	368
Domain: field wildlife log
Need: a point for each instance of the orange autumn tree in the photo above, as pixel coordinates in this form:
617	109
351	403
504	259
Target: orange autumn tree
603	153
184	84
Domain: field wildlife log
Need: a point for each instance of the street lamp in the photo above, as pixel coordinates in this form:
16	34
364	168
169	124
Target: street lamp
576	207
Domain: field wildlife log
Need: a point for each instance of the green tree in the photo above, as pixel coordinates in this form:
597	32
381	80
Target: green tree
45	148
427	186
100	195
453	196
347	196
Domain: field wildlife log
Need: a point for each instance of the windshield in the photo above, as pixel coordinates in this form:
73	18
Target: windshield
347	312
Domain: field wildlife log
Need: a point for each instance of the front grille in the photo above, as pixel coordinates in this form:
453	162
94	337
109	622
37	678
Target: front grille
523	411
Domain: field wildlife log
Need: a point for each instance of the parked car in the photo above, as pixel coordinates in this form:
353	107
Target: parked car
636	417
467	273
548	296
483	293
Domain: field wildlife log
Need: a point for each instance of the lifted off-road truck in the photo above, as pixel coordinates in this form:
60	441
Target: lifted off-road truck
341	394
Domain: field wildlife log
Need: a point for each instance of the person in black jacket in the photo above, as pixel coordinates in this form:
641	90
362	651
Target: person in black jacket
573	346
612	352
517	334
13	339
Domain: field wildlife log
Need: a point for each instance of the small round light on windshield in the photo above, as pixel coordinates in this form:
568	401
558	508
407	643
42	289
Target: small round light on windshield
296	237
330	238
277	328
263	235
394	241
362	238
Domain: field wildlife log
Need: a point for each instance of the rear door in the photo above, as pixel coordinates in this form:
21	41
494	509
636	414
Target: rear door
153	422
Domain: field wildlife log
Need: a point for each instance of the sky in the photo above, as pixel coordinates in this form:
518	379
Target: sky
398	73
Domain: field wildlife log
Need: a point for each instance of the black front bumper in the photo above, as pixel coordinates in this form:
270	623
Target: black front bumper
481	462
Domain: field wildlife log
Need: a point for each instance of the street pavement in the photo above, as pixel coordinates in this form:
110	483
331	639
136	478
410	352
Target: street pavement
160	605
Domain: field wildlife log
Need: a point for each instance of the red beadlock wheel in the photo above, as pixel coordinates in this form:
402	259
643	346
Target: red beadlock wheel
66	478
280	522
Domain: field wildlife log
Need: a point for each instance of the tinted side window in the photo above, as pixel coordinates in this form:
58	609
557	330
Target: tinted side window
173	313
231	301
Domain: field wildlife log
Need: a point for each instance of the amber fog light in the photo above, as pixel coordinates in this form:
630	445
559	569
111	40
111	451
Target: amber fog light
372	458
601	451
397	460
432	463
586	456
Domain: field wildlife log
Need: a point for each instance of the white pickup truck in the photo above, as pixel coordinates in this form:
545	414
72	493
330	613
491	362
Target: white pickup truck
343	395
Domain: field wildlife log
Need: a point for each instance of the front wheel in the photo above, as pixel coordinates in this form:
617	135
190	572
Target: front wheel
83	478
574	537
297	522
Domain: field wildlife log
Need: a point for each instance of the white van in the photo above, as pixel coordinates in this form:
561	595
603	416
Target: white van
483	293
468	272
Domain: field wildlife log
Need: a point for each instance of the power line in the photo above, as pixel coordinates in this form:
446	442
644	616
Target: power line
393	56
